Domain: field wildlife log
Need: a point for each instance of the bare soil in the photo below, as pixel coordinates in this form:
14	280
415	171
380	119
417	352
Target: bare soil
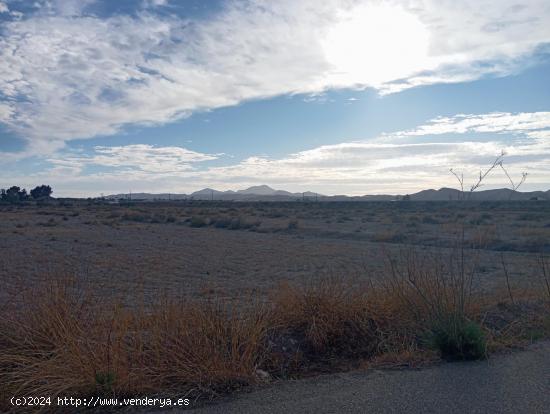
202	248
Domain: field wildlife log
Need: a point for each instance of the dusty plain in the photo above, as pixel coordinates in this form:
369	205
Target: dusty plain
225	248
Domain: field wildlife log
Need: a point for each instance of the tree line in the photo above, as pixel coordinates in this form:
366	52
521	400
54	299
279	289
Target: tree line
15	194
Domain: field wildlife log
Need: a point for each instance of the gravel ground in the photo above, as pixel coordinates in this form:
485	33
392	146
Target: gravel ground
125	257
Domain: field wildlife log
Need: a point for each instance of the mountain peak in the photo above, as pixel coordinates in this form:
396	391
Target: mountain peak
206	191
258	189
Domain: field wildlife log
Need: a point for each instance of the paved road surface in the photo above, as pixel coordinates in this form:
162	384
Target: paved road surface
515	383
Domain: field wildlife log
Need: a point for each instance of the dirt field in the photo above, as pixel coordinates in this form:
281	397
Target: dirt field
219	248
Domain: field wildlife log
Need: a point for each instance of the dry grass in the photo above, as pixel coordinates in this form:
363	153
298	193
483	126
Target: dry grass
329	317
62	342
58	339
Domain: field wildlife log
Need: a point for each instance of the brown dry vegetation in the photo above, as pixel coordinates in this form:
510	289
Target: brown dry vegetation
56	340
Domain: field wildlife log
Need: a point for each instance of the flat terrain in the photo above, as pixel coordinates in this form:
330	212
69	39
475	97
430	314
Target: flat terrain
418	256
515	383
204	248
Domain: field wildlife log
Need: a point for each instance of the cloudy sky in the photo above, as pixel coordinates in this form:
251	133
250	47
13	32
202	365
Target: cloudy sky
335	96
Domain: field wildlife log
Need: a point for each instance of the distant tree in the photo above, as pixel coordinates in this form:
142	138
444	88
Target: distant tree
13	191
14	194
41	191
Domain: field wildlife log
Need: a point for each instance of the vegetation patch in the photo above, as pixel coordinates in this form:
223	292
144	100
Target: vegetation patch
458	339
202	347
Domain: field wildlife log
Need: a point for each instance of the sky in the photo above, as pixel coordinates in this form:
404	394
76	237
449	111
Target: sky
337	97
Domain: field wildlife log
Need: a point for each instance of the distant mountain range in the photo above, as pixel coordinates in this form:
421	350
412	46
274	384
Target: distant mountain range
266	193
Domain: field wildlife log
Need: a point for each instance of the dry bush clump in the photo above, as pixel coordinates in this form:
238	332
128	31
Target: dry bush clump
513	324
46	344
544	265
329	317
334	320
63	342
207	346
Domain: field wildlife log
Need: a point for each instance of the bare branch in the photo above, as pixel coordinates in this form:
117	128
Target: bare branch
460	179
514	185
505	269
482	175
498	162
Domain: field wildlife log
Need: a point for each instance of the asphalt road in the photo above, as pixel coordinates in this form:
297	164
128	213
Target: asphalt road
513	383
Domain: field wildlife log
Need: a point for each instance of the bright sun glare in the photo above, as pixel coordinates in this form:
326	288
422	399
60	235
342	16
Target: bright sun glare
376	43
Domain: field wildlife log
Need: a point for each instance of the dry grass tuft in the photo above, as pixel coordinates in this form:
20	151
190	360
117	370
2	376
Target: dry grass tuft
206	346
63	343
331	316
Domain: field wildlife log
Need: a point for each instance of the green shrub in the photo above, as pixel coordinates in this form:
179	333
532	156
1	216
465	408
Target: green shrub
137	217
478	220
105	381
222	222
458	339
235	224
292	225
198	221
242	224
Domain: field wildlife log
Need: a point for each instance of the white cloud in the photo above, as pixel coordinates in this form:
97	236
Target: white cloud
390	165
66	8
499	122
4	7
154	3
6	111
373	168
386	165
137	159
71	75
531	130
362	167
